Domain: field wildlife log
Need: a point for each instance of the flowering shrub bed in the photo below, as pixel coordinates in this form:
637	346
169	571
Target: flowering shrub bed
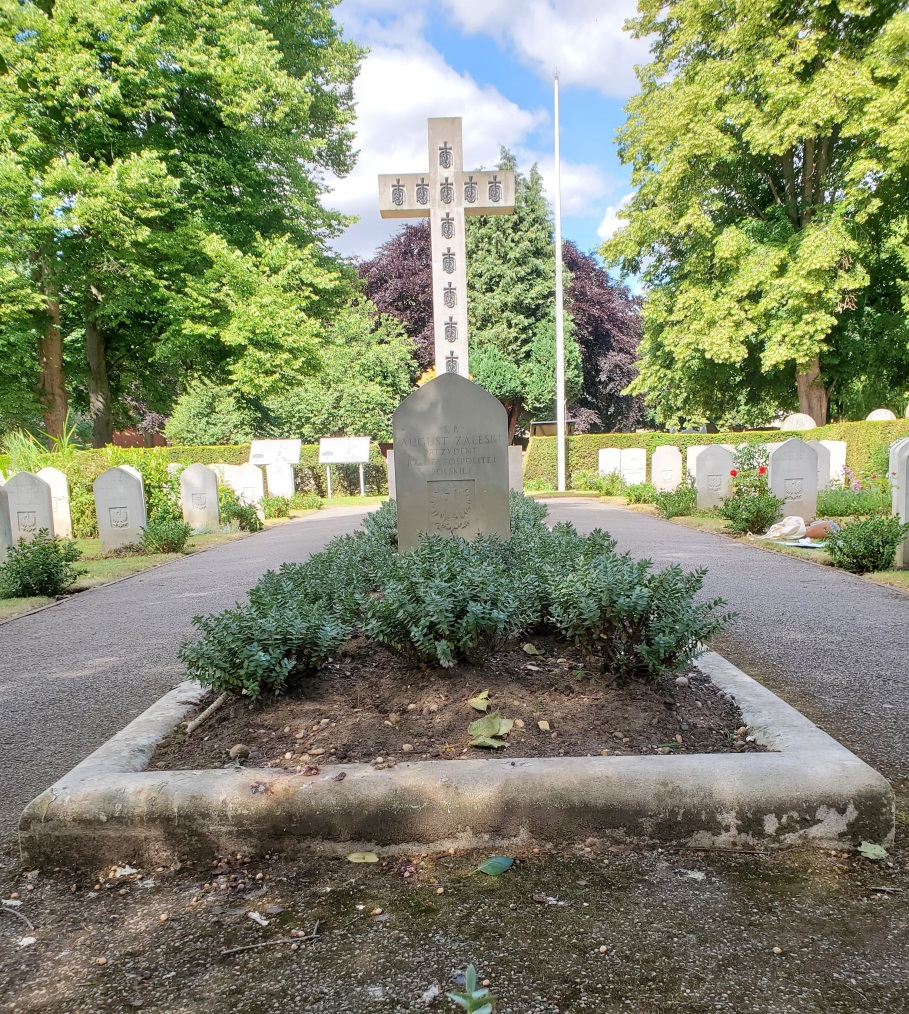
751	507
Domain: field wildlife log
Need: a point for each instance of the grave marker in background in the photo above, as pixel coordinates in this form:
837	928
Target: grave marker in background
713	480
516	468
30	506
199	497
793	478
899	463
666	468
633	465
691	458
63	524
824	474
120	507
837	449
451	462
6	529
609	461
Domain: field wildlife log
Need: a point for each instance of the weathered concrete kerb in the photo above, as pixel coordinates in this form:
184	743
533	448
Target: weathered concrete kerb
809	789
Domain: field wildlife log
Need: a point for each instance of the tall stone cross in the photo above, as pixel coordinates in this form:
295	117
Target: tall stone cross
445	195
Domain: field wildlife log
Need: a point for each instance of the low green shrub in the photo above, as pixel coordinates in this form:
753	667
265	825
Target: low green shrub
849	503
525	512
232	510
449	601
246	652
677	503
306	501
606	485
382	524
640	624
43	566
867	545
640	492
165	534
276	506
751	507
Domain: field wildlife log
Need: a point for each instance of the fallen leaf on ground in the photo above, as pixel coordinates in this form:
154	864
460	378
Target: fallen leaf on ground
871	851
481	701
259	918
362	857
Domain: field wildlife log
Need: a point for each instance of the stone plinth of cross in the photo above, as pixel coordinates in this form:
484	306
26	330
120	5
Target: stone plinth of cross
445	195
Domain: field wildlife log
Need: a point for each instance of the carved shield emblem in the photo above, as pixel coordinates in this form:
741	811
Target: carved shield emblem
495	190
666	475
450	296
397	193
794	488
28	521
446	191
451	363
450	505
119	517
448	261
471	191
714	483
448	226
200	501
445	156
451	330
422	192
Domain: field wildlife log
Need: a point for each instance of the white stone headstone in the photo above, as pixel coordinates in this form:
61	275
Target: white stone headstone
120	507
280	479
900	494
248	482
837	449
609	461
798	421
713	480
516	468
199	497
824	474
793	478
773	446
63	523
880	415
666	468
691	458
893	472
390	464
6	529
30	506
633	465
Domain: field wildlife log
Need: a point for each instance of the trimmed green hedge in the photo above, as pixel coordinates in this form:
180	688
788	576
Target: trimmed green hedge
866	443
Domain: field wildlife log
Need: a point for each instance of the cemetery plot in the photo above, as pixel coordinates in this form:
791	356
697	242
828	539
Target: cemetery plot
366	704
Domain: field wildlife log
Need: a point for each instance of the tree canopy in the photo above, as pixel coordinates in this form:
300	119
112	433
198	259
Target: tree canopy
161	176
769	145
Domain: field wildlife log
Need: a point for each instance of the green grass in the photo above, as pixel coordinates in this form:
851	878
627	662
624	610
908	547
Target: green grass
15	607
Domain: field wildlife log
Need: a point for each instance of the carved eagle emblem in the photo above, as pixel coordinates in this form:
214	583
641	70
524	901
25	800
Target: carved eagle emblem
450	505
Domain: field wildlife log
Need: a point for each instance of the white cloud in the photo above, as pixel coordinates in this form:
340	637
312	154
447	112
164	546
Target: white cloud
614	218
582	39
583	185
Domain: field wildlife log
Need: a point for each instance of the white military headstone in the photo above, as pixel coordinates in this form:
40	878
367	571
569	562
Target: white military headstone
691	458
880	415
900	492
451	462
837	449
30	506
120	507
824	472
793	478
199	497
798	421
390	465
893	472
248	482
63	523
445	195
6	529
713	479
666	468
516	468
633	465
609	461
280	479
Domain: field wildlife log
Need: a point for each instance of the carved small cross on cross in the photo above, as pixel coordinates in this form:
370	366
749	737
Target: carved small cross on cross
445	195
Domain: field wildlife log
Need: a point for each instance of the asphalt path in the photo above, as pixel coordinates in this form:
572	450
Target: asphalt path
834	645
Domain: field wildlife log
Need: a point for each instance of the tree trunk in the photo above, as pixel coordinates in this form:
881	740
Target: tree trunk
98	384
814	398
52	384
514	410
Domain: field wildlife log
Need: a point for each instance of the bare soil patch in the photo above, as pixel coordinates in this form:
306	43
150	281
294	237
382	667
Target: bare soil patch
368	704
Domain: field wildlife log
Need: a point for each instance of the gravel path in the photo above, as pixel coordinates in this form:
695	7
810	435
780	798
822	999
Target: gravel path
831	644
73	675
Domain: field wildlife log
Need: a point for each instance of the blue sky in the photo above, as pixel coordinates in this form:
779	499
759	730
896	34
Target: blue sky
491	62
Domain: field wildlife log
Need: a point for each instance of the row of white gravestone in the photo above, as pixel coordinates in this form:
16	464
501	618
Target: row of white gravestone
628	462
898	467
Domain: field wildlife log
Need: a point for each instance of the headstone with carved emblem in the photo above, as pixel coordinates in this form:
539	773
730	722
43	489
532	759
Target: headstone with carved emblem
713	479
793	478
63	522
120	507
199	497
451	462
444	195
30	506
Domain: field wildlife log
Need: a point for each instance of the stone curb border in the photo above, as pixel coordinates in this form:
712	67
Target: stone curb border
811	790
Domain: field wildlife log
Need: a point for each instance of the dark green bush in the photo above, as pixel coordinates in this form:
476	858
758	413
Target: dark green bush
867	545
276	506
449	601
677	503
164	534
846	503
231	510
526	513
640	624
251	653
43	566
641	492
383	523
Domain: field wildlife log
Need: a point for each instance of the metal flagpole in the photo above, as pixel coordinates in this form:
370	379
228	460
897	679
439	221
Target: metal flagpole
560	308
